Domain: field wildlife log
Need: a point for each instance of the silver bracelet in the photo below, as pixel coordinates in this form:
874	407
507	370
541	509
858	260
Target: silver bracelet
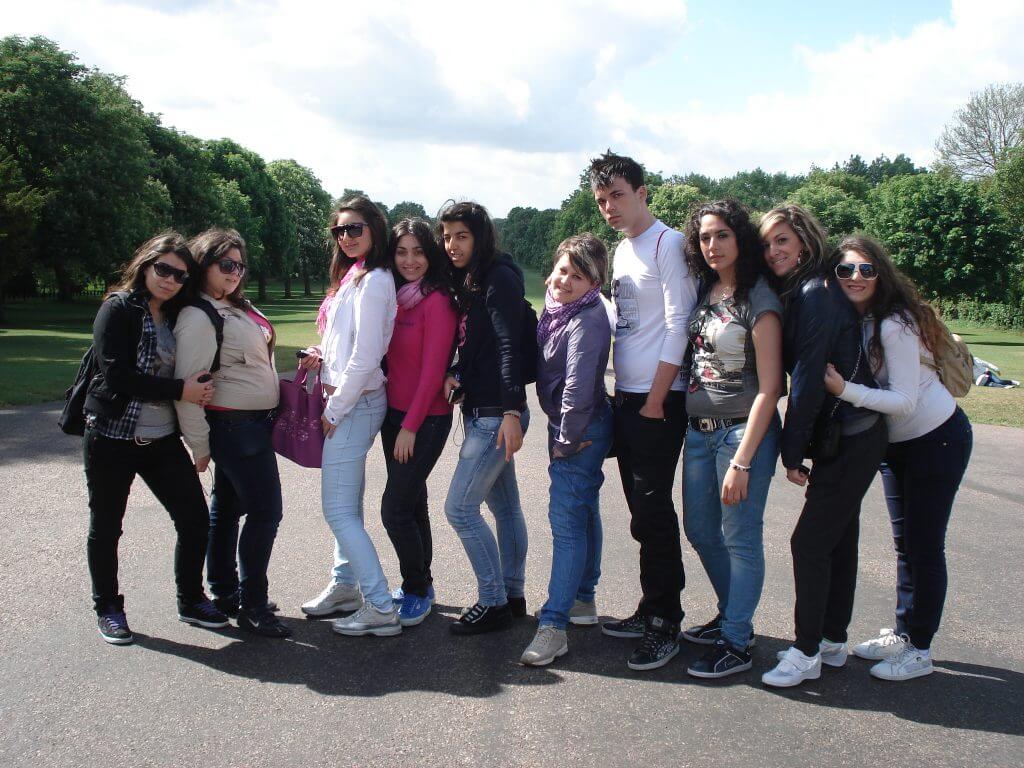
738	467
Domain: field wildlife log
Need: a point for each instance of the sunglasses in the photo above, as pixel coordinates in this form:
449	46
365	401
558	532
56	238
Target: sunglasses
845	271
352	230
166	270
227	266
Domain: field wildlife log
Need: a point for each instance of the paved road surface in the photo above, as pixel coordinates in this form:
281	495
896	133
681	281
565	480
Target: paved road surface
187	696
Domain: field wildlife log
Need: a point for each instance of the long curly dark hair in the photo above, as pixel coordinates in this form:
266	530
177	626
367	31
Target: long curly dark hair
895	295
437	276
749	263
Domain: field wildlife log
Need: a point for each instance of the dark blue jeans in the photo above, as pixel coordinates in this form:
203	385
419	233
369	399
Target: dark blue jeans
403	509
921	478
245	483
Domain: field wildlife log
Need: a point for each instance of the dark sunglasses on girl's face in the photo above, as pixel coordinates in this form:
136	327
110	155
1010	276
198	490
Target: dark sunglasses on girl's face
227	266
845	271
166	270
352	230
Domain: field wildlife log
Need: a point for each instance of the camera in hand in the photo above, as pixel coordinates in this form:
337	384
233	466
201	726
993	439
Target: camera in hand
301	353
455	395
204	378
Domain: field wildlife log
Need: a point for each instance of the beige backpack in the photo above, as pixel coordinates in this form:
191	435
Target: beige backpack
953	362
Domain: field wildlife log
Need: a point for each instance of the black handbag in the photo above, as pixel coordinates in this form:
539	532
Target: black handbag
824	445
72	417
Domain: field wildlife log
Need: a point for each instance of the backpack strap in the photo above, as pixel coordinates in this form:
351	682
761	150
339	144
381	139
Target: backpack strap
657	247
218	327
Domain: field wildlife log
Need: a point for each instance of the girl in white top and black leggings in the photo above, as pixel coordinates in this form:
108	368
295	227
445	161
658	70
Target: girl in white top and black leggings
930	444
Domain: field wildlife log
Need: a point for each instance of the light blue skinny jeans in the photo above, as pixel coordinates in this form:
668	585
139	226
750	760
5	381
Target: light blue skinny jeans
343	478
575	516
482	474
729	538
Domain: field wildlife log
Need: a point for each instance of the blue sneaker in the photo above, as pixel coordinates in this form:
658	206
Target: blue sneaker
413	610
398	595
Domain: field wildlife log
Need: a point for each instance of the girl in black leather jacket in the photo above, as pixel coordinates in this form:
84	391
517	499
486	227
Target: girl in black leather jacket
820	327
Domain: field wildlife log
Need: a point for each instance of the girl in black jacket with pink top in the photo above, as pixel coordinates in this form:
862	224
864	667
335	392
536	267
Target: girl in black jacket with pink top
131	430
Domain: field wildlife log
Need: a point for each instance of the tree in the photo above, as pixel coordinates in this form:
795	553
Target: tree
672	203
579	214
407	210
758	189
983	131
839	212
20	206
310	207
1009	193
945	233
79	139
185	166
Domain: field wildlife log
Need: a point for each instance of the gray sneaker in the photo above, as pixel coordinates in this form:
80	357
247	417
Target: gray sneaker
548	644
336	597
583	613
369	620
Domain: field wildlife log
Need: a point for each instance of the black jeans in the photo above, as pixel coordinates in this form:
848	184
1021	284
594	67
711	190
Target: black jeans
110	468
648	454
403	509
921	478
824	542
245	482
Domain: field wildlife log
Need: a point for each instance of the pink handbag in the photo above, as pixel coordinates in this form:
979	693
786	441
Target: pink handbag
298	434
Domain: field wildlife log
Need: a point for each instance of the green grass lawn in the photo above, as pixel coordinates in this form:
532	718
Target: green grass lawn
43	341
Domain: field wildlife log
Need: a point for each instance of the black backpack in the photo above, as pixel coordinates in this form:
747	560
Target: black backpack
72	417
218	327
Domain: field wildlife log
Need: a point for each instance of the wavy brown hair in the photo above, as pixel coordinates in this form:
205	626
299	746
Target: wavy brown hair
895	295
376	257
133	275
211	246
814	257
749	262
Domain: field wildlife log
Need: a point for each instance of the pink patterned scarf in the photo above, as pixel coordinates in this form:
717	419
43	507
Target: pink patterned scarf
325	305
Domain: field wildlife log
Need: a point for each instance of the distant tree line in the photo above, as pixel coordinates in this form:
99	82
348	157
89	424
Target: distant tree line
86	174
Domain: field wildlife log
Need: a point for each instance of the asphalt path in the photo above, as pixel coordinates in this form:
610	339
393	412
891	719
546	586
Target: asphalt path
183	695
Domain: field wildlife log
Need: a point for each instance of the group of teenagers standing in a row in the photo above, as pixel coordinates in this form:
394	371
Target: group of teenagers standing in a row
705	326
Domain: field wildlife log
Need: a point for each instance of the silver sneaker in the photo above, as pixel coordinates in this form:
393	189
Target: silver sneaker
583	613
369	620
905	665
548	644
336	597
886	645
832	654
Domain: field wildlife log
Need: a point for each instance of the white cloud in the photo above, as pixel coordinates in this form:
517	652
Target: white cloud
505	102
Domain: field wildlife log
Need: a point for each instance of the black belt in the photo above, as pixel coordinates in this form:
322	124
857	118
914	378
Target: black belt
710	425
621	397
238	415
483	413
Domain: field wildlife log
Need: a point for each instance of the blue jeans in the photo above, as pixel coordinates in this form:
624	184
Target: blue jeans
343	479
245	483
575	518
482	474
729	538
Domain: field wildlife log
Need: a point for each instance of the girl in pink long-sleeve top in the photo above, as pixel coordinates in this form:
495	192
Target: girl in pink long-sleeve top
419	418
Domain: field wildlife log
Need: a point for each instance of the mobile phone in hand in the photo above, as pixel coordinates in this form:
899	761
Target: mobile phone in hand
301	353
204	378
455	395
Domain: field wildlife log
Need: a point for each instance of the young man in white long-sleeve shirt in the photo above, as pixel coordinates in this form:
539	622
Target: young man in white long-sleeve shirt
654	294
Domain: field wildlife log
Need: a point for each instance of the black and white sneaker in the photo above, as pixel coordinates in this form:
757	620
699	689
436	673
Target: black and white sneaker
262	623
114	629
483	618
632	628
202	614
721	660
710	633
659	645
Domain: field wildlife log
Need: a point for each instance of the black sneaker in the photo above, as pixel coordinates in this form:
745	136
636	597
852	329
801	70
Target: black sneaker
659	644
262	623
705	634
229	605
633	627
483	618
721	660
202	614
518	606
114	629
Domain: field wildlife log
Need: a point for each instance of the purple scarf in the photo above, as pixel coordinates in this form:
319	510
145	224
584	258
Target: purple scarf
409	295
556	315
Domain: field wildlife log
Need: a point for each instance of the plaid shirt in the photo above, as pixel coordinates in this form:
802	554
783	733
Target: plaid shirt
124	427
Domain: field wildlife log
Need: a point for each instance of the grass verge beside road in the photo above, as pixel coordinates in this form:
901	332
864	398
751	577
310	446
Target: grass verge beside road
43	342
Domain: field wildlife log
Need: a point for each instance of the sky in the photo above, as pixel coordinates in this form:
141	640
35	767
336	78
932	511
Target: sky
505	103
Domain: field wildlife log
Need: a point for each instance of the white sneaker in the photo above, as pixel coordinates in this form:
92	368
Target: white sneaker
886	645
334	598
832	654
583	613
793	669
369	620
905	665
548	644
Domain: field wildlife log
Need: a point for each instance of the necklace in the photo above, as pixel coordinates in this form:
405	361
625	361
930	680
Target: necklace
722	293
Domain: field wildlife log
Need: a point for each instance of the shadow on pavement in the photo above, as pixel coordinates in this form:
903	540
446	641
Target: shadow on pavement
428	658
